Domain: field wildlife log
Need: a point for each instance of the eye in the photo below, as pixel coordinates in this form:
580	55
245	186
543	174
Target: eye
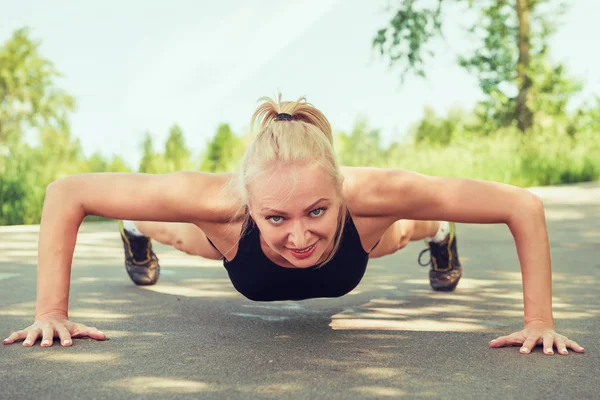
275	219
320	211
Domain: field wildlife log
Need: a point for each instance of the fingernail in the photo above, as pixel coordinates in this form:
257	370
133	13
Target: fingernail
102	333
27	342
493	340
66	341
523	349
45	343
549	351
564	352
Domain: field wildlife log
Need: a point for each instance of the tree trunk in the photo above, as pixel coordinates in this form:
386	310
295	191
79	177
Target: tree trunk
524	114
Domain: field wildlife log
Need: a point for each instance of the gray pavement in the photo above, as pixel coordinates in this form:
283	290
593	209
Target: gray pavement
193	336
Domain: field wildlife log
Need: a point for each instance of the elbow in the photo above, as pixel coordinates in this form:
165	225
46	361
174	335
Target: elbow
61	192
529	205
59	188
55	187
535	204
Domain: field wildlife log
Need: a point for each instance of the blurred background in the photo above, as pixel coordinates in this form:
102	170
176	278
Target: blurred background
505	90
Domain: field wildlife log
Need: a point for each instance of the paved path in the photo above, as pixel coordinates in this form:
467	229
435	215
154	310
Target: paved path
193	336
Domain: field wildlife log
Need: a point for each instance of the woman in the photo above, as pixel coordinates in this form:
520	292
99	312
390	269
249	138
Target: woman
290	225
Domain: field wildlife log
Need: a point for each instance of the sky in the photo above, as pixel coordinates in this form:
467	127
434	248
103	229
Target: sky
141	66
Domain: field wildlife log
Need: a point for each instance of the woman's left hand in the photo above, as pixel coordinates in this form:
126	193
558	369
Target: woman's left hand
538	333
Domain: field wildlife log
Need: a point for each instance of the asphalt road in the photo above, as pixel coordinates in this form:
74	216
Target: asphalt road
193	336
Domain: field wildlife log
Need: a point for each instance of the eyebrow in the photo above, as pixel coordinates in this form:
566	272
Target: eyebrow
305	210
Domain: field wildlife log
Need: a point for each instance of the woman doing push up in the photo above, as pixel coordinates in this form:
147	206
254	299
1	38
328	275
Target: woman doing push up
290	225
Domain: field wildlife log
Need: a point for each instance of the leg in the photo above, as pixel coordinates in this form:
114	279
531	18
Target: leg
445	270
183	236
398	235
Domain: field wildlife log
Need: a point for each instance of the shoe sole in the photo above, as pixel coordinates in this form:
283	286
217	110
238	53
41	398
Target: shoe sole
448	286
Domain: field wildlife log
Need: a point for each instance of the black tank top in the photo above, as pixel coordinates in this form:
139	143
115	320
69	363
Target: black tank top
260	279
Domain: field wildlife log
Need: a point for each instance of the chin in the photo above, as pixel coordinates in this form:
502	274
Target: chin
307	262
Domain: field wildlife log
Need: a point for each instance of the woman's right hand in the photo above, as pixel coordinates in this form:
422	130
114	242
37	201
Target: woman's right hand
48	327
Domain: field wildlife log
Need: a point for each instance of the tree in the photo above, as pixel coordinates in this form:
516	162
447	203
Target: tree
97	163
28	95
151	162
442	130
503	62
361	147
30	102
224	151
177	156
15	183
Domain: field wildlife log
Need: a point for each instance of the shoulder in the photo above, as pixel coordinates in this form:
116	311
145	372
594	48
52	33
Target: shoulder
363	195
368	189
213	195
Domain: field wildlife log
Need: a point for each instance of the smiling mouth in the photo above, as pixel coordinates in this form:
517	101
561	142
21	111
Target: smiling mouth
306	249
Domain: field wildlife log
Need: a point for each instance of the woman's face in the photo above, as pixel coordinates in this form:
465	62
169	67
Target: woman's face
297	220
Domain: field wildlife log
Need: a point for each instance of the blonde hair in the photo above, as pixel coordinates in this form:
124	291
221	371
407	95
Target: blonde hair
304	140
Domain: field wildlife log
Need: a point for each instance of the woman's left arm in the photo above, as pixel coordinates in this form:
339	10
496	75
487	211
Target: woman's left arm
528	227
410	195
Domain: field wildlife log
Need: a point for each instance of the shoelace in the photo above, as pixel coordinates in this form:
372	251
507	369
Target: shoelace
440	252
421	255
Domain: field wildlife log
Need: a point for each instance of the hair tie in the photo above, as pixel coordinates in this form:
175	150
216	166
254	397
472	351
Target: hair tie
284	117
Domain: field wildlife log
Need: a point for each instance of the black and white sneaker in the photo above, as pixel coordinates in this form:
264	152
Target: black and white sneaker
446	270
140	261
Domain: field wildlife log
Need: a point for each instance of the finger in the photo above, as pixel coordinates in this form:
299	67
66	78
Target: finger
47	336
94	333
91	332
32	336
510	340
573	345
548	343
529	343
64	335
561	347
502	341
13	337
498	342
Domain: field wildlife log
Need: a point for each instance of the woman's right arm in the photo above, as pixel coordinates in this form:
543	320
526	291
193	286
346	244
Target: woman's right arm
181	197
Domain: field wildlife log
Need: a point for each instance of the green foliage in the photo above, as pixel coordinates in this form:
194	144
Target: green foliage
494	63
97	163
28	97
15	184
546	158
409	31
151	162
549	159
177	156
553	89
30	103
444	130
496	60
564	146
224	151
586	119
361	147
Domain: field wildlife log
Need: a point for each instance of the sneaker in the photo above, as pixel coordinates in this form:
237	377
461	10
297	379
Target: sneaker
445	266
140	261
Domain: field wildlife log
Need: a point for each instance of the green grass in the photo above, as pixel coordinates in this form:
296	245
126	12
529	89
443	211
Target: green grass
508	157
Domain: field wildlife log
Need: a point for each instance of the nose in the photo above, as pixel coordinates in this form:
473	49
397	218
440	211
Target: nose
298	235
